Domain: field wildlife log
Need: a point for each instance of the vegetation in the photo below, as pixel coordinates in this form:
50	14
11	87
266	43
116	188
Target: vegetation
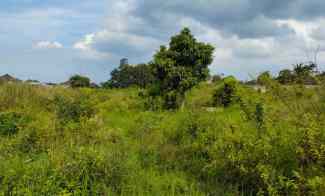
78	81
303	73
60	141
180	67
227	139
264	78
127	75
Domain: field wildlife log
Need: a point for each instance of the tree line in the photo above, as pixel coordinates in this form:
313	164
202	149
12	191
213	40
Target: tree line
181	65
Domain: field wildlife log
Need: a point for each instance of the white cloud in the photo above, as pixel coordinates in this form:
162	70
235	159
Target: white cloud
85	43
106	43
48	45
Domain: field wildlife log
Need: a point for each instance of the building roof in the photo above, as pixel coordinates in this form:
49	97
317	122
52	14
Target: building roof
8	78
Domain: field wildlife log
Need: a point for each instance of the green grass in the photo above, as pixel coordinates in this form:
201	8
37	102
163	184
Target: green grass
61	141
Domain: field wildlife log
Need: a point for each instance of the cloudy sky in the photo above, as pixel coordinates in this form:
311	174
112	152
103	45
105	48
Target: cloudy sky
50	40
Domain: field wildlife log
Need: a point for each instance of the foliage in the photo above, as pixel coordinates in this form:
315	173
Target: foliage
78	81
68	109
227	93
302	73
228	139
286	76
128	75
10	123
264	78
180	67
66	141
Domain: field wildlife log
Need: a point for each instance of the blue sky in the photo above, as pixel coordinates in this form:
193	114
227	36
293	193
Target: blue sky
50	40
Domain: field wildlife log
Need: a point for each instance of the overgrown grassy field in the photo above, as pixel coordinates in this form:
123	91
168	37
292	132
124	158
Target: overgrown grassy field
62	141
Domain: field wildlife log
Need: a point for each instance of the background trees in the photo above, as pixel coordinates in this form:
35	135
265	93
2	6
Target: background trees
286	76
128	75
78	81
302	73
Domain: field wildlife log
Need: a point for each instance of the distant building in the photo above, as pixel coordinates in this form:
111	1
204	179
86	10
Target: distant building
33	82
8	79
124	61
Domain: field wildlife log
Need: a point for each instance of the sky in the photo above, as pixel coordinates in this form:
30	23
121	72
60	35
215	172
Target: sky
51	40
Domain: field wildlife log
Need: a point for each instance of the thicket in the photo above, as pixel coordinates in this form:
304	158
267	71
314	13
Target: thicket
57	141
78	81
130	75
226	139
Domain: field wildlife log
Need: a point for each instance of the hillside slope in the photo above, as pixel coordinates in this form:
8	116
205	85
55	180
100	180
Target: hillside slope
57	141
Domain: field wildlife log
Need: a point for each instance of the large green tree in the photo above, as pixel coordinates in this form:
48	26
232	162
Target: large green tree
179	67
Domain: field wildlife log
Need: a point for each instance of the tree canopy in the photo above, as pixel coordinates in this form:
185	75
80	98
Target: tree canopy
129	75
78	81
180	66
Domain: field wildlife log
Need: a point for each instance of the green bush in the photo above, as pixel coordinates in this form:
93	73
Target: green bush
78	81
227	93
68	109
10	123
66	141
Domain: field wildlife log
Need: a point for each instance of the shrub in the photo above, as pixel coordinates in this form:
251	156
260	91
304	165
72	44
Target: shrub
227	93
78	81
264	78
10	122
72	110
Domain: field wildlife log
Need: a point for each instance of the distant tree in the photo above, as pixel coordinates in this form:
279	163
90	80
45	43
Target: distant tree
286	76
179	67
128	75
304	73
78	81
120	77
216	78
143	75
264	78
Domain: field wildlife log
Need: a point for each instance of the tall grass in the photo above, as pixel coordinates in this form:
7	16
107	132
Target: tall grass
104	142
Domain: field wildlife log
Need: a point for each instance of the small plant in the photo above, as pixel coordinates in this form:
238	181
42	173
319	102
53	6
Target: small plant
72	110
9	123
227	93
259	116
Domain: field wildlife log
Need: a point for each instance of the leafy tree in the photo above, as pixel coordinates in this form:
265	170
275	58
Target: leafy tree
286	76
264	78
179	67
128	75
78	81
304	73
